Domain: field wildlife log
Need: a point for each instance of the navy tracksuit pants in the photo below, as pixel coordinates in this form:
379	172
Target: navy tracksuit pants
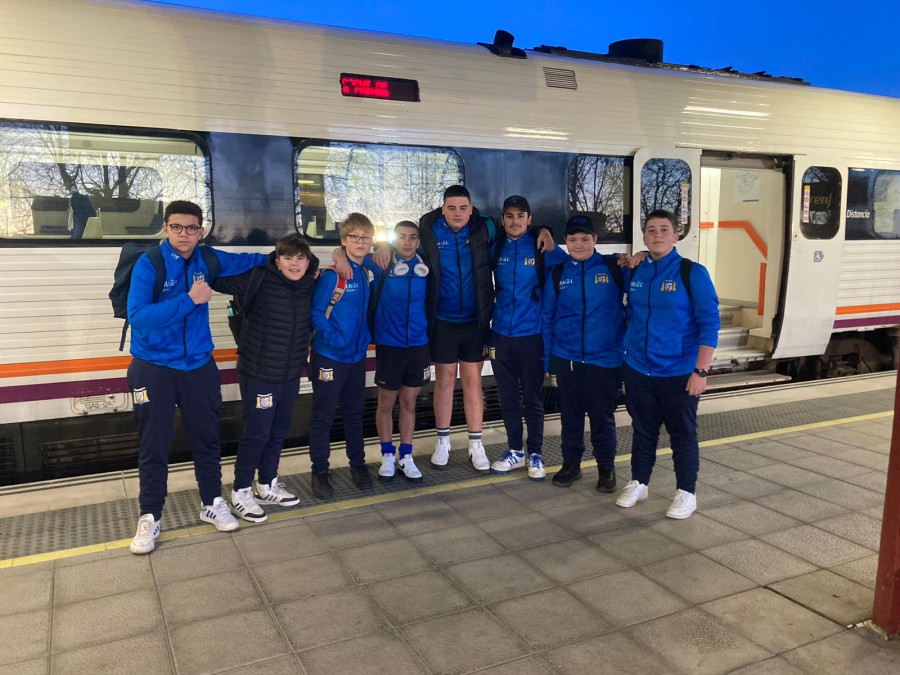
336	384
156	390
652	402
586	389
518	364
268	409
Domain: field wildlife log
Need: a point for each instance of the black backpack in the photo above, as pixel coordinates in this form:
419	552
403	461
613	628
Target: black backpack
239	305
128	257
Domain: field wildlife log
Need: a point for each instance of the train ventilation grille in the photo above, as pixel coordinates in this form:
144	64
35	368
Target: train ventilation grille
79	457
7	461
560	78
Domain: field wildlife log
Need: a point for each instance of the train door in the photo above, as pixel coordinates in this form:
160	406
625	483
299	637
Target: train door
666	178
816	248
742	207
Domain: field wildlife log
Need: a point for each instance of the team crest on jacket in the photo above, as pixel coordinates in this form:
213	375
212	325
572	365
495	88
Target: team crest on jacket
199	277
601	278
529	262
264	401
426	375
668	287
140	396
326	374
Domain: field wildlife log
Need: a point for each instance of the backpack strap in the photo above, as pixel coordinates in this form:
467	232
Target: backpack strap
376	297
557	275
337	292
615	272
686	264
155	256
211	260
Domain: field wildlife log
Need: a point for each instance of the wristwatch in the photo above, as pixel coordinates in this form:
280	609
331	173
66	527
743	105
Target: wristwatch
701	372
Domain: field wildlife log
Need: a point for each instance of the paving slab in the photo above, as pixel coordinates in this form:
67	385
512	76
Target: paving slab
770	620
856	527
637	546
830	595
498	578
193	560
788	475
759	561
698	532
417	596
382	560
264	544
606	654
696	578
372	654
206	597
32	667
550	618
355	529
862	571
742	484
697	643
523	530
329	617
295	579
147	654
456	545
628	597
570	560
420	515
89	622
24	636
844	653
816	546
26	592
98	578
845	494
750	518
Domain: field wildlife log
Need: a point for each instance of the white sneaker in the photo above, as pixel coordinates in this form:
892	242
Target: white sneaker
246	507
511	459
388	467
536	467
441	455
410	470
633	493
145	538
274	493
478	456
219	515
684	504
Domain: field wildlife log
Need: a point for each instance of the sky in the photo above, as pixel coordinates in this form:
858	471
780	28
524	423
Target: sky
830	43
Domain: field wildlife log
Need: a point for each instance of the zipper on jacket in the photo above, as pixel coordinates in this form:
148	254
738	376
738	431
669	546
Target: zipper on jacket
512	312
649	312
583	309
408	303
185	320
459	273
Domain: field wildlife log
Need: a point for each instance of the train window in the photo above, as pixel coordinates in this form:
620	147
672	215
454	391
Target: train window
821	203
600	187
666	184
388	183
62	183
873	204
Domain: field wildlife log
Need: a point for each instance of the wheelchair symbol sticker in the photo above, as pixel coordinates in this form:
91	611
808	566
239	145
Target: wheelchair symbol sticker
818	256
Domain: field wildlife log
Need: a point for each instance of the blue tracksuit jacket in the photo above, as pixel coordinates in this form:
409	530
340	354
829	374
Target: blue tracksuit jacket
400	317
173	331
344	336
665	327
583	320
517	307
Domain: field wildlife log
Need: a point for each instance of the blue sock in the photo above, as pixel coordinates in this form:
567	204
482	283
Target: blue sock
388	448
405	449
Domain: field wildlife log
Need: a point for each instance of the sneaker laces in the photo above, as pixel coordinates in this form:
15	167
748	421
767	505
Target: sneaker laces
535	461
279	490
509	458
246	500
682	498
220	507
145	527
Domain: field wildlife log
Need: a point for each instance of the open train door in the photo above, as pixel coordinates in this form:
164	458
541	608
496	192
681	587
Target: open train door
668	178
806	319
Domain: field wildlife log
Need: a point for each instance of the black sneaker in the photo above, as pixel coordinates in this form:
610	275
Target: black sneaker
360	477
321	486
567	475
607	479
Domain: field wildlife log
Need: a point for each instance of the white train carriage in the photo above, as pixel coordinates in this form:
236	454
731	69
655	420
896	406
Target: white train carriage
108	109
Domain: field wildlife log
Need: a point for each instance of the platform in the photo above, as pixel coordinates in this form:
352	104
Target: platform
494	574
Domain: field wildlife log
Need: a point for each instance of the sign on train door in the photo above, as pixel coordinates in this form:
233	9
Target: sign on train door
668	178
816	246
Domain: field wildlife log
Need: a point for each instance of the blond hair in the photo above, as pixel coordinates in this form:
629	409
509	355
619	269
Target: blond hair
357	221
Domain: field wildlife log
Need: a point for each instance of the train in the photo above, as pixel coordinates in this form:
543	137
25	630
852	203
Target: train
109	109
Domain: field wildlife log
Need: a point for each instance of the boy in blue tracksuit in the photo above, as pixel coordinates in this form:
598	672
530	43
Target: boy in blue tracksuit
399	324
672	334
172	366
515	342
583	323
337	366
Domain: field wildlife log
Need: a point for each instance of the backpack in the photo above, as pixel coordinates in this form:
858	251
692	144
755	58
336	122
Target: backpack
337	292
128	257
538	264
239	305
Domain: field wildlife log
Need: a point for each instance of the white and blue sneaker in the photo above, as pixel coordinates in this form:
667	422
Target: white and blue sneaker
145	538
536	470
219	515
510	460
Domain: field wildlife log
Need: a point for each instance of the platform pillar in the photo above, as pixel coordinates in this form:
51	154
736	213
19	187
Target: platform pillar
886	613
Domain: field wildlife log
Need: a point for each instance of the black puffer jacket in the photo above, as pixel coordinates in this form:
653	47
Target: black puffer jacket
275	336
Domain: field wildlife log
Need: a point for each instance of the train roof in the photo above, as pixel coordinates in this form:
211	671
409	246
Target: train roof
113	62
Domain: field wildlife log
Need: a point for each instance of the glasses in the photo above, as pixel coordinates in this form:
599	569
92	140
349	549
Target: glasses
359	238
191	229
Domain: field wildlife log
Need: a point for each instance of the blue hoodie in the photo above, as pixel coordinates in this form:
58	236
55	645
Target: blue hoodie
173	331
517	304
665	327
400	317
344	336
584	320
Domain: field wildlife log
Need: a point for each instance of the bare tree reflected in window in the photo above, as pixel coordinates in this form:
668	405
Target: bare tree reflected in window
388	183
125	177
666	184
598	188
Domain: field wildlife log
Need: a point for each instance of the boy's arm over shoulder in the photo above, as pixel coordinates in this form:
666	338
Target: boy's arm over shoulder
236	263
143	312
233	285
555	257
321	299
